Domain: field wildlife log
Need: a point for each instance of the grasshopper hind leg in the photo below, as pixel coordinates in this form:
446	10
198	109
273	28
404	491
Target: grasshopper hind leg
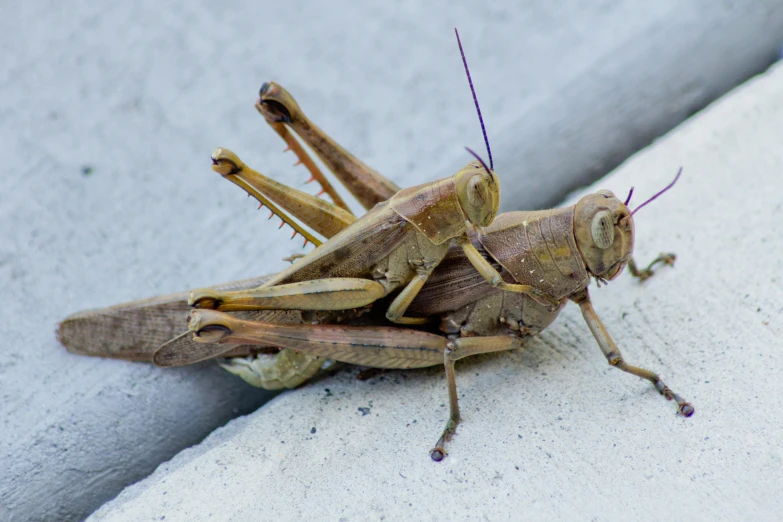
284	370
457	349
282	112
377	346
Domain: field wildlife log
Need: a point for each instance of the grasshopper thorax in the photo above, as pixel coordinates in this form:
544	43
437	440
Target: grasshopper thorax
478	192
604	232
441	209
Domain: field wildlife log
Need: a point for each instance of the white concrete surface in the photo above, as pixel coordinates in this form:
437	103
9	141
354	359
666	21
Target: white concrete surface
108	114
552	432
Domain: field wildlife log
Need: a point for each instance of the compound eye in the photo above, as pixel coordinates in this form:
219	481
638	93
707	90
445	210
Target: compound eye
477	191
602	229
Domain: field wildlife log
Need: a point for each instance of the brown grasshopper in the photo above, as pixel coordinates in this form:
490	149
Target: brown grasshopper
490	288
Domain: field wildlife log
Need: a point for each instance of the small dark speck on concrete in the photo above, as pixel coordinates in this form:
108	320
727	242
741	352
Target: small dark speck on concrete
328	392
86	170
365	411
312	431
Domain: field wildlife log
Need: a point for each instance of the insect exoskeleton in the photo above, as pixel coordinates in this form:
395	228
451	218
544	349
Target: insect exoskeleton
604	231
440	209
478	192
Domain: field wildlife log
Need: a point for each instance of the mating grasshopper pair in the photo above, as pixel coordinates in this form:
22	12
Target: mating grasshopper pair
373	293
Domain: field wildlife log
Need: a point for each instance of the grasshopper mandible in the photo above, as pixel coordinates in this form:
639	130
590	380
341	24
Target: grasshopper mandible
491	288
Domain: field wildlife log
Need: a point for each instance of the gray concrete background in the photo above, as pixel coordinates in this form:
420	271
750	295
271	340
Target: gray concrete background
109	112
551	432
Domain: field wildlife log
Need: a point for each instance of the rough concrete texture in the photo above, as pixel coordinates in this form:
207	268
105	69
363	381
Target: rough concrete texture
109	113
551	432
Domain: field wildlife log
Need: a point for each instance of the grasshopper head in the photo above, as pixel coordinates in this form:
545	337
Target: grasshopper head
603	227
478	192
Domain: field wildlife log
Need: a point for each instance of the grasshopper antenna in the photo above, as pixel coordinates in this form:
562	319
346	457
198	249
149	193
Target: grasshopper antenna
475	101
628	199
667	187
480	160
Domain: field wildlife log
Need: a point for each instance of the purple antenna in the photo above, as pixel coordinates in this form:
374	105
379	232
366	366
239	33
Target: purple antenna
667	187
628	199
480	161
475	101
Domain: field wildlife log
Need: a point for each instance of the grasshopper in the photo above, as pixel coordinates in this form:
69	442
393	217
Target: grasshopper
491	285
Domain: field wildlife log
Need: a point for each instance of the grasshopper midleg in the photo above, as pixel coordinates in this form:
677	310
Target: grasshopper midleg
615	358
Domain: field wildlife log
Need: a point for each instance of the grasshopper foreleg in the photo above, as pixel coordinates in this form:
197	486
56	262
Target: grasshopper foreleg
646	273
615	358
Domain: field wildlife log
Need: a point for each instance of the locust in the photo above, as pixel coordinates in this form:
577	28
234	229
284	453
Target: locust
429	275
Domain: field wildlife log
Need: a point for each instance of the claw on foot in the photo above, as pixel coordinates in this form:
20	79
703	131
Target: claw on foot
437	454
683	406
686	409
